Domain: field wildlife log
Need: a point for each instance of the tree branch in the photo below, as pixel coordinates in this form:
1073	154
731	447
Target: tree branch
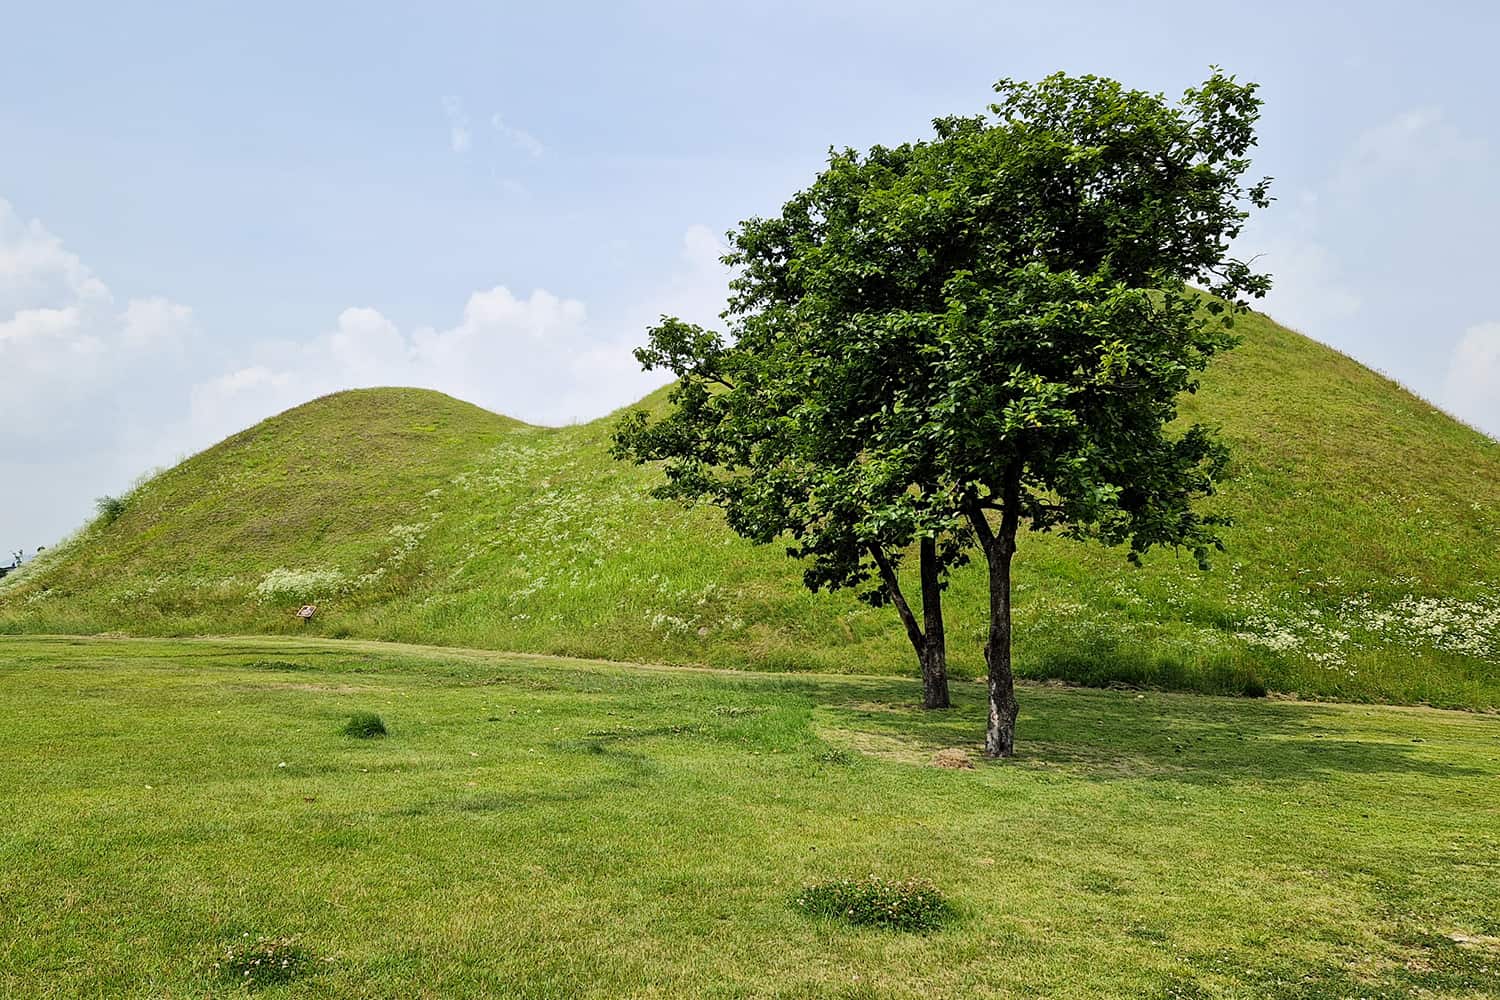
893	585
1010	514
981	524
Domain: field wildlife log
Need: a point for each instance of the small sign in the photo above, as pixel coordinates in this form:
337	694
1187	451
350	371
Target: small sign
307	611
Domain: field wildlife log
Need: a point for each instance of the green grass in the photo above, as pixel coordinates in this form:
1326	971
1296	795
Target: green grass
537	827
1363	564
365	726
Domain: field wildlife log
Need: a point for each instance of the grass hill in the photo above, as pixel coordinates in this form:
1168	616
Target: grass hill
1363	563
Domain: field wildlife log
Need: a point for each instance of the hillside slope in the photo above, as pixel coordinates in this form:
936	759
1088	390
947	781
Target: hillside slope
1363	563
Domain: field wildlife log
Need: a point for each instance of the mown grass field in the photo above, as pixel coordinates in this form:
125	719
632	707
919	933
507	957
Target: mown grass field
540	827
1362	566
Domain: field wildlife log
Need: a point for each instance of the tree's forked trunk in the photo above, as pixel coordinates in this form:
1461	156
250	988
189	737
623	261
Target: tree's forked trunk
931	645
999	546
934	655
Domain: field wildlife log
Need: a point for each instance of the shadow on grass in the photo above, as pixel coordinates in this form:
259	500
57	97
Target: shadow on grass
1105	662
1107	735
1424	965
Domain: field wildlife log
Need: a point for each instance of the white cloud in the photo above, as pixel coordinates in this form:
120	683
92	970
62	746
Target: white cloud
459	136
39	324
62	337
518	137
94	395
81	377
1416	144
528	356
1472	390
156	323
1309	290
540	357
36	271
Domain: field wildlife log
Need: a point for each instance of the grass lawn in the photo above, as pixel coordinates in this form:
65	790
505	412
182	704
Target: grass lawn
538	827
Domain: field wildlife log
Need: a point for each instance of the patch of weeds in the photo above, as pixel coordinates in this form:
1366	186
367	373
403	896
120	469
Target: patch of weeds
631	733
109	508
1445	963
836	755
1102	661
365	726
1148	934
1236	679
262	961
586	746
1433	965
281	665
1102	884
1182	988
909	904
736	711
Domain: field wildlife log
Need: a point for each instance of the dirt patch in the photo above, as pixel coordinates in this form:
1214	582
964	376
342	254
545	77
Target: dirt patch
878	706
872	744
953	759
1485	941
314	688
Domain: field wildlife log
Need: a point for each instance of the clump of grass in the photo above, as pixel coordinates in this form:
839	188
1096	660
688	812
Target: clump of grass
110	508
262	961
1102	884
283	665
365	726
736	711
909	904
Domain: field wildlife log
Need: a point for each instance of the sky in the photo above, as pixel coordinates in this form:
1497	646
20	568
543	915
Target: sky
212	212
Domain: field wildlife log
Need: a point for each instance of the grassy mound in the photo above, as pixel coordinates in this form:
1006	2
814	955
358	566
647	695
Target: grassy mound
1363	564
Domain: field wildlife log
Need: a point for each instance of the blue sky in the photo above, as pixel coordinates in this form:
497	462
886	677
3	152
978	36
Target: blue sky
212	212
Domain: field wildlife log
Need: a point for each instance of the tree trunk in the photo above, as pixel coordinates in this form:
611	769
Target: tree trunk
999	546
934	655
931	646
1000	736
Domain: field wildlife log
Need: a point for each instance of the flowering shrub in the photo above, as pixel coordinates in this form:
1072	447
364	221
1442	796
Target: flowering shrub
299	584
910	904
262	961
1465	627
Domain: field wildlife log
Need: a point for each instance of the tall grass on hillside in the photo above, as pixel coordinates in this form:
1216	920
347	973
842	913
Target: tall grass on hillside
1362	565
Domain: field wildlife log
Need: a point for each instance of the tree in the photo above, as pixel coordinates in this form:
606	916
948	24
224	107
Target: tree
949	339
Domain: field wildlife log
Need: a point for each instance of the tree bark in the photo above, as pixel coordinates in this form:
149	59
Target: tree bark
1000	736
930	646
934	655
999	546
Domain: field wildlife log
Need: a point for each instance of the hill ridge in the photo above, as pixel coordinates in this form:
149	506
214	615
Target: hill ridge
1362	564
